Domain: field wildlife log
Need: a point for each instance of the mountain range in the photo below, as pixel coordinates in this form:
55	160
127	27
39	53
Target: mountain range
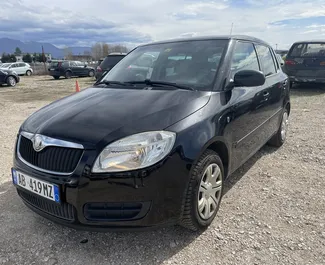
9	45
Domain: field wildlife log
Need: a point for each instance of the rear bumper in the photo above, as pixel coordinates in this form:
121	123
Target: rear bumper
298	79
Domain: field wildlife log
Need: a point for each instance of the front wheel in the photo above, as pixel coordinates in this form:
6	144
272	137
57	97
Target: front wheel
11	81
28	72
279	138
204	192
91	73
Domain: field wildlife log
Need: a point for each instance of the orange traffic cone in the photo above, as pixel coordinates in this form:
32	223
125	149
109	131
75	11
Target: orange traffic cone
77	86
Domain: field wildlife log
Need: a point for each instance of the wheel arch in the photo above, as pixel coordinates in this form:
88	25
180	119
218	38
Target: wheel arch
16	78
221	148
287	106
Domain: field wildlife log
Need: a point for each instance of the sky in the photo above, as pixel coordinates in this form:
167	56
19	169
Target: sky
84	22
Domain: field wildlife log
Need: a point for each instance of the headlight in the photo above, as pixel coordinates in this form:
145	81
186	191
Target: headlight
135	152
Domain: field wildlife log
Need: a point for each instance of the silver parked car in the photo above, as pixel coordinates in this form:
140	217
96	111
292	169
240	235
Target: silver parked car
20	68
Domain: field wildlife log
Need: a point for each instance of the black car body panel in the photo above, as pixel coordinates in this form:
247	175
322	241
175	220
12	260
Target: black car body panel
234	120
75	114
4	74
305	62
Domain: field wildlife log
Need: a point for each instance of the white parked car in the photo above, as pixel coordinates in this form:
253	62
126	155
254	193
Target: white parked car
20	68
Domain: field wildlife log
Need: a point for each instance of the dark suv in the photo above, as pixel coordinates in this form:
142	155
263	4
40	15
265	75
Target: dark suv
305	62
108	63
153	145
70	69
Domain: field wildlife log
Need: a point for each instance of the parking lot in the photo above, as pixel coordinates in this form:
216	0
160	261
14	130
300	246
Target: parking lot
273	210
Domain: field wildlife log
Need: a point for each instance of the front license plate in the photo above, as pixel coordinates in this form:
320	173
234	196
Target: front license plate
34	185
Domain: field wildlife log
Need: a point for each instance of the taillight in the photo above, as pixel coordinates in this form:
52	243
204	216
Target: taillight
99	69
290	62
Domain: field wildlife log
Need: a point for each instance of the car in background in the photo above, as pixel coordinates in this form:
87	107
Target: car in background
70	69
8	77
20	68
108	63
305	62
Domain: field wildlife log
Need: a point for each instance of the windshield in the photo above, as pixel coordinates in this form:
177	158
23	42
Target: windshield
308	50
5	65
189	63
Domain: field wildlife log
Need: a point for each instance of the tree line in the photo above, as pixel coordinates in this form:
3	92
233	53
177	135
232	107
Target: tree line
27	58
101	49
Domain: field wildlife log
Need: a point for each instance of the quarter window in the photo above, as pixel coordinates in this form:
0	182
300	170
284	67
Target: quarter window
266	60
244	58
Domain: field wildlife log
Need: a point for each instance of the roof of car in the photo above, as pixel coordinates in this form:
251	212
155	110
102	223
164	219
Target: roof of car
116	53
309	41
217	37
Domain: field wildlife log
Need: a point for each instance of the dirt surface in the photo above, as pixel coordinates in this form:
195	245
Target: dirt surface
273	211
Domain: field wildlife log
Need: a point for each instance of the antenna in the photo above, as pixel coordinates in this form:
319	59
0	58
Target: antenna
232	25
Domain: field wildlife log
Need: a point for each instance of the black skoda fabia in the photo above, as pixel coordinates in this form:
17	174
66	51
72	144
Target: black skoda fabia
152	142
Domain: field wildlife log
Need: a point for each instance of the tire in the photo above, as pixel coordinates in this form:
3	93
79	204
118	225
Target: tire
279	138
11	81
196	217
91	73
56	77
28	72
68	75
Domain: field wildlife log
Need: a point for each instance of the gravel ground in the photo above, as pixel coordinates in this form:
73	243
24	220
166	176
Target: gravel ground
273	211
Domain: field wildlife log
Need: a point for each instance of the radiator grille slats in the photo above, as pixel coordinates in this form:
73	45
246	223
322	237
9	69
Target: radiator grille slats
51	158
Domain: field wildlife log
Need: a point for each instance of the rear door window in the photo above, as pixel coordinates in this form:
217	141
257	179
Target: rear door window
110	61
266	59
308	50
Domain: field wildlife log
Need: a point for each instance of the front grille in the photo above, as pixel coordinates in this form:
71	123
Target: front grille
124	211
63	211
51	158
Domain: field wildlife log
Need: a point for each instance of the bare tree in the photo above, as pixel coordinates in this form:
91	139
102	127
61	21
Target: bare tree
118	48
105	49
97	51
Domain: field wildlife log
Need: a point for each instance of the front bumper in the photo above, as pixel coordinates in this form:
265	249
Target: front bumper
142	199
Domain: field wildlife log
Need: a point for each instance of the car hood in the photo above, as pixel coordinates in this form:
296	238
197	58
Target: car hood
97	116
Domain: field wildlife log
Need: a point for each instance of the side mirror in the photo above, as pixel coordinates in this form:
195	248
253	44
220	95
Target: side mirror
249	78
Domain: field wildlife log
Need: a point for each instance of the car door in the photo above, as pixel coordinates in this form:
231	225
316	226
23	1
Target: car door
14	67
277	85
84	70
21	69
75	69
247	106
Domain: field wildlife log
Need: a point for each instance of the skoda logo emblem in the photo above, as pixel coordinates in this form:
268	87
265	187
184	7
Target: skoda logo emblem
38	143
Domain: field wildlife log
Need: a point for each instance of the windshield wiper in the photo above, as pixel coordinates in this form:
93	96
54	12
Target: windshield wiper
148	82
112	83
